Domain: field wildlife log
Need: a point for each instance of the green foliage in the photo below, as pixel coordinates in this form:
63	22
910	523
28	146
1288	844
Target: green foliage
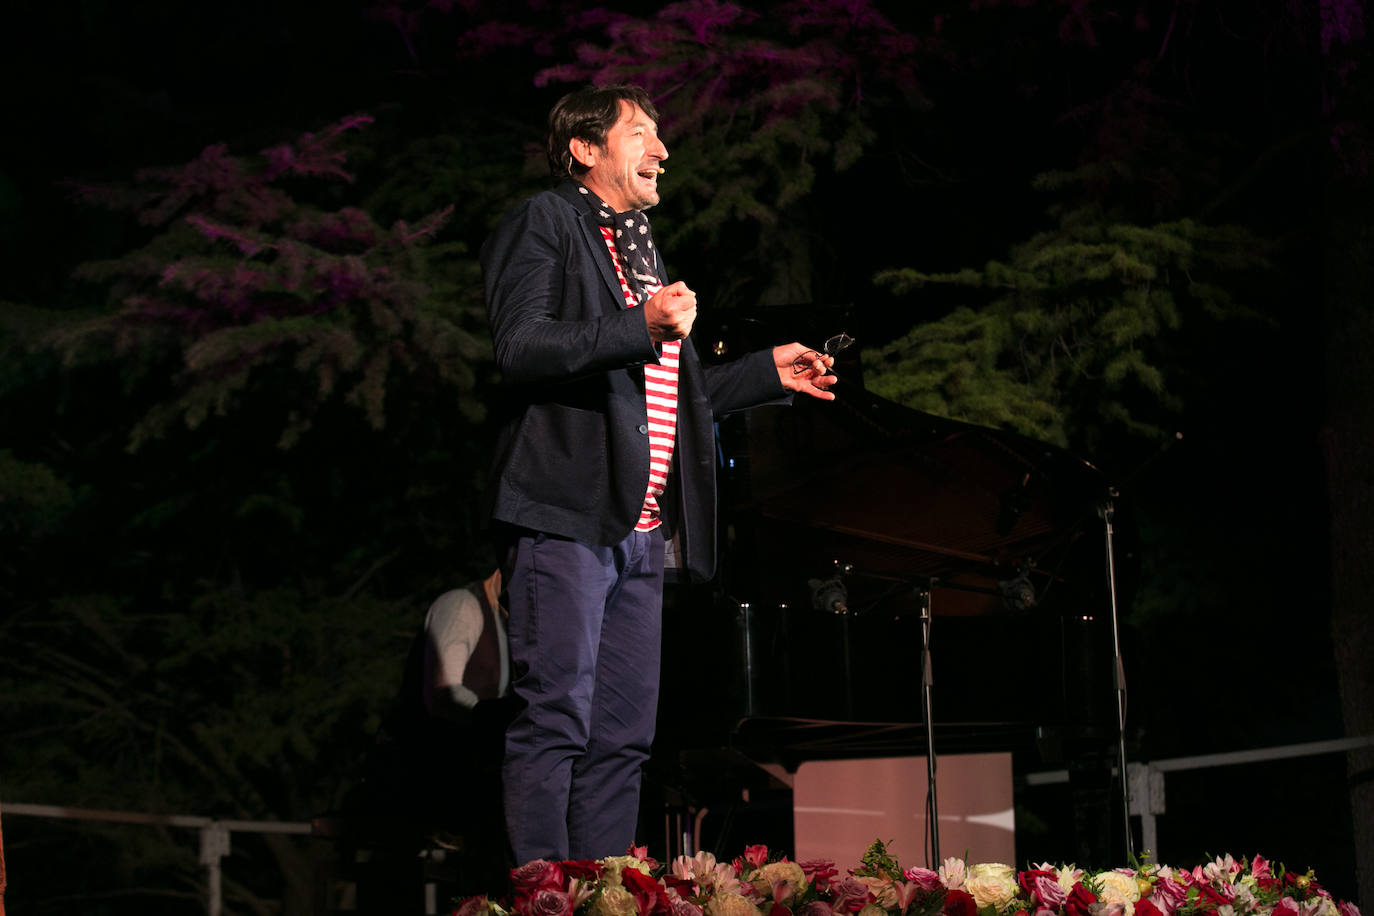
876	862
248	285
230	492
758	106
32	494
1076	334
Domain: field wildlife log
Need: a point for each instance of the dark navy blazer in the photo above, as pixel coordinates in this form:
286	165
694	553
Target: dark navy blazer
573	454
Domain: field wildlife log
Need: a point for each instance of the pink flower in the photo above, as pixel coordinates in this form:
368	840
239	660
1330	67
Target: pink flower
907	892
952	873
698	867
1047	892
1259	867
756	855
537	874
549	903
924	878
821	908
849	895
1348	909
724	880
679	907
1168	895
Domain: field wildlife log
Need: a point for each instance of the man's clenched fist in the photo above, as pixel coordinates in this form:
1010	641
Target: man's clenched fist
670	312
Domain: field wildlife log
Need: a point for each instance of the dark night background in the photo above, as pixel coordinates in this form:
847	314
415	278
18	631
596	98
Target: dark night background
246	389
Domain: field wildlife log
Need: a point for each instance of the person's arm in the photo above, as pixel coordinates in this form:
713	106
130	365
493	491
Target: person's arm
766	377
452	628
524	267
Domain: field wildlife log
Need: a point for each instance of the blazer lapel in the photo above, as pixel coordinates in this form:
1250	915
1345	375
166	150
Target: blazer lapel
601	256
596	242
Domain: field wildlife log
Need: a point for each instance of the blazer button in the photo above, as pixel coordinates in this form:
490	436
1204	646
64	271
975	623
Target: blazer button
644	428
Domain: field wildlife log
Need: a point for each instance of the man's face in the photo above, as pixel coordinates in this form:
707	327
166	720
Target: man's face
624	171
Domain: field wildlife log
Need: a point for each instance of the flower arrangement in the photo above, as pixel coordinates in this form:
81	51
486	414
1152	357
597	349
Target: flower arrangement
761	884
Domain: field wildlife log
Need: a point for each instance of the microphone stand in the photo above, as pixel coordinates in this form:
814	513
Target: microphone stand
932	809
921	591
1106	510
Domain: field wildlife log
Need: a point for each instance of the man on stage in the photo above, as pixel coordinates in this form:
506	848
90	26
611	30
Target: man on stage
604	468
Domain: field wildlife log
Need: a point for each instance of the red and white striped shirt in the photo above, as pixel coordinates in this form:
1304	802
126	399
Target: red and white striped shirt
660	393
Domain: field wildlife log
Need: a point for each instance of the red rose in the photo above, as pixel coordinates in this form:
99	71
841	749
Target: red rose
1207	897
686	887
472	906
959	903
1146	908
818	873
581	869
1079	899
649	895
756	855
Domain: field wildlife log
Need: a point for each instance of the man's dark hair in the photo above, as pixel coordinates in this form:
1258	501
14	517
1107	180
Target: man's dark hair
588	113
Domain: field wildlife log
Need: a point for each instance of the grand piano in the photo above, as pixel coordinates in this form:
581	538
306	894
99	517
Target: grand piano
842	521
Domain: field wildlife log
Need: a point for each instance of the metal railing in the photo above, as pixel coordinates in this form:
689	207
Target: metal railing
214	835
1145	780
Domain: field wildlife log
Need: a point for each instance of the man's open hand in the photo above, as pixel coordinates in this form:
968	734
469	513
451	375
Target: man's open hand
800	368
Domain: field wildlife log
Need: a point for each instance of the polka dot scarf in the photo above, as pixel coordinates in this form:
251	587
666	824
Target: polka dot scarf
634	243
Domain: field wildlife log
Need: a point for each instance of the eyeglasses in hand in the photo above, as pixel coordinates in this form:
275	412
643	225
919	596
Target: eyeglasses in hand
831	348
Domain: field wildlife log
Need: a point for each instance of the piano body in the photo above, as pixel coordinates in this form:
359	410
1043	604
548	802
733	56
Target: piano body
841	520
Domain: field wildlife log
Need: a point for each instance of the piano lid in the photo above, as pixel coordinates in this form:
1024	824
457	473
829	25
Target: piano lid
901	496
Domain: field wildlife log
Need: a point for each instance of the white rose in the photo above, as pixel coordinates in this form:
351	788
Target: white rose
991	884
773	872
730	905
1119	888
615	901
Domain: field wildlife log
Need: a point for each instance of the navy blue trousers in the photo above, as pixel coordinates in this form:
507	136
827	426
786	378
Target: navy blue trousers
585	631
